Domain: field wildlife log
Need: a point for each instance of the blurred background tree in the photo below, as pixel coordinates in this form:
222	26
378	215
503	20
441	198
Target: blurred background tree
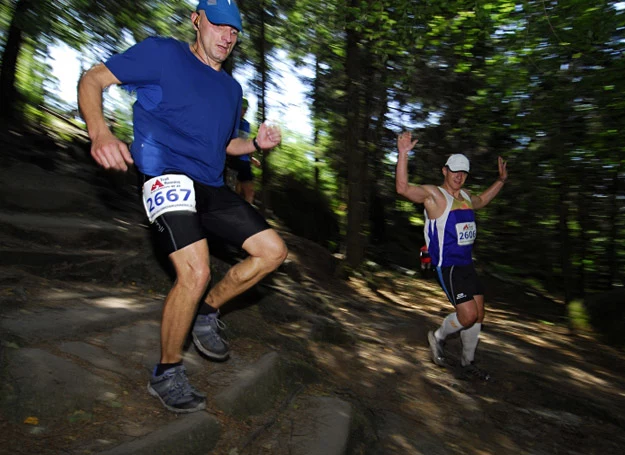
31	27
537	82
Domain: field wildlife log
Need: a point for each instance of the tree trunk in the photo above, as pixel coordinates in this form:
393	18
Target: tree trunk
583	219
565	240
262	53
315	127
356	211
375	110
613	263
8	67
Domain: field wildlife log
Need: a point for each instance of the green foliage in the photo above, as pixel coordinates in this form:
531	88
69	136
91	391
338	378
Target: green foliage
578	316
539	83
299	158
31	75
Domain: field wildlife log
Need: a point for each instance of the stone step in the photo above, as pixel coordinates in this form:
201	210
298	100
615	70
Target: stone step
57	367
192	434
60	314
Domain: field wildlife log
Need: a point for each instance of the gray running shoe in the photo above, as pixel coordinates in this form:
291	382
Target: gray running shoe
206	336
436	349
172	388
472	371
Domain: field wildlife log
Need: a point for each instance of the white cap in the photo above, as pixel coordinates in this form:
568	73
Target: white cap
458	163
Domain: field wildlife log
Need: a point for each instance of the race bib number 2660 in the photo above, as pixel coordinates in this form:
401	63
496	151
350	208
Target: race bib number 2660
168	193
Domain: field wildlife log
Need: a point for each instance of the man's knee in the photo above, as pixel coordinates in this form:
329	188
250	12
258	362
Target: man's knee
467	313
276	253
467	320
197	273
192	267
267	246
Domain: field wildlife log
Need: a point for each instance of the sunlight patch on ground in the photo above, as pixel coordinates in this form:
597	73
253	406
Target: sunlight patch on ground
504	314
583	376
56	294
336	360
393	297
116	302
537	341
385	362
361	287
402	443
424	286
521	355
412	300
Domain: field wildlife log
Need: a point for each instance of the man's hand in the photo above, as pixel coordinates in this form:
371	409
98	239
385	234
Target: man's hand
503	172
269	136
111	153
405	142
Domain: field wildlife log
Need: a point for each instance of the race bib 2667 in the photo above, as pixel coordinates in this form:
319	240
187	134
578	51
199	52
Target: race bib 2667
168	193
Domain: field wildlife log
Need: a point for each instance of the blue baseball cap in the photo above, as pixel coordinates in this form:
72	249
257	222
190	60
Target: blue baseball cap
221	12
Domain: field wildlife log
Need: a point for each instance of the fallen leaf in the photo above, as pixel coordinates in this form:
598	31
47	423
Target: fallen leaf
9	344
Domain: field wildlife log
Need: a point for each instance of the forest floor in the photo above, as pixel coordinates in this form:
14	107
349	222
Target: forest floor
553	391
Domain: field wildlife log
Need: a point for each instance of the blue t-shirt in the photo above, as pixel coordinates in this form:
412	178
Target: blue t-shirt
185	114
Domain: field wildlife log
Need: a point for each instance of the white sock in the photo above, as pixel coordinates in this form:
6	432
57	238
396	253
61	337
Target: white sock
470	337
450	325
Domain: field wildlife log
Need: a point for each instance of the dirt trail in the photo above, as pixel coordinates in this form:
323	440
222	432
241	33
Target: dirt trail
553	391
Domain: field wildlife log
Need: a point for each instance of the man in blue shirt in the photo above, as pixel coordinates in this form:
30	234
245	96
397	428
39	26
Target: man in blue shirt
185	120
449	233
243	163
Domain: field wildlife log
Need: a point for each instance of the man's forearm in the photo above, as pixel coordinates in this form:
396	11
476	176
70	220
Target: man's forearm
401	173
490	193
90	88
239	146
92	114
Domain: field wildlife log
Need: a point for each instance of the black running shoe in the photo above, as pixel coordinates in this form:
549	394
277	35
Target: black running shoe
172	388
472	371
207	338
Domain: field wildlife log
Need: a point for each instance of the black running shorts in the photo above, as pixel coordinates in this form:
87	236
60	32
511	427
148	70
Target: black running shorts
244	171
460	283
221	215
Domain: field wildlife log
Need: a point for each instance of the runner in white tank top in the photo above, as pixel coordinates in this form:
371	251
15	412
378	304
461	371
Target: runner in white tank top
449	234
